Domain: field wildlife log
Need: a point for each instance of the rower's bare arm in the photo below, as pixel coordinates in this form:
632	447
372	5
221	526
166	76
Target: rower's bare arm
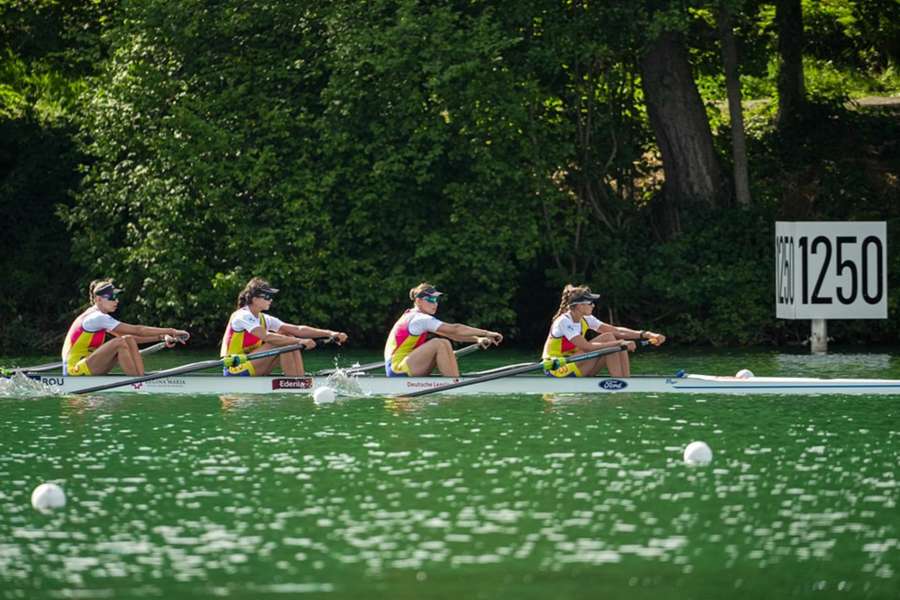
140	339
144	334
305	331
583	345
624	333
464	333
277	339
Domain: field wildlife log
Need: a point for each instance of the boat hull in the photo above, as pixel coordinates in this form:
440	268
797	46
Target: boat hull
522	384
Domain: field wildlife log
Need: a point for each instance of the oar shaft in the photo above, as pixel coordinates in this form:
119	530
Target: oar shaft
513	371
494	370
198	366
50	366
375	365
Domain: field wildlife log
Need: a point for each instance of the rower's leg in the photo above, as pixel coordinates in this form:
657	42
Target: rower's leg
103	359
263	366
617	364
292	363
446	360
130	358
590	367
119	349
436	352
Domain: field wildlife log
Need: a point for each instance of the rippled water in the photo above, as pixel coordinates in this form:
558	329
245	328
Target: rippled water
515	497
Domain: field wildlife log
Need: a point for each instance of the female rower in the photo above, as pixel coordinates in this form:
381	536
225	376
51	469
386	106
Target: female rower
85	349
567	336
408	350
250	330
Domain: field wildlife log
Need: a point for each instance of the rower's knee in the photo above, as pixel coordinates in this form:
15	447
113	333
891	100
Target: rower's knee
444	346
607	337
119	342
128	341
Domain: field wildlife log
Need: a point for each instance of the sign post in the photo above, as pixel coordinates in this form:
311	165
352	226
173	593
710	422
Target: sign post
830	270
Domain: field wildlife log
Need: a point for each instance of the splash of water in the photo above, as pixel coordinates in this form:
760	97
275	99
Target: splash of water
345	383
19	385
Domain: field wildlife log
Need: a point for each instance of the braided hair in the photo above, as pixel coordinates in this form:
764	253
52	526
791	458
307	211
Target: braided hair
569	292
250	290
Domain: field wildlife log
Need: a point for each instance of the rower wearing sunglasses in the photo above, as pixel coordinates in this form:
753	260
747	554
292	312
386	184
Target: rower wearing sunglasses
410	352
569	329
250	329
85	349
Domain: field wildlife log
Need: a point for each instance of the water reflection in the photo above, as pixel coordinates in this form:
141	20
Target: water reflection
233	402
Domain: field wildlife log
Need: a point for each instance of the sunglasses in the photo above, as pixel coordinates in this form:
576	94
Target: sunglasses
112	297
431	299
265	296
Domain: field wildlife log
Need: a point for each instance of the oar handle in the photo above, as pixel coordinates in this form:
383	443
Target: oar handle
467	350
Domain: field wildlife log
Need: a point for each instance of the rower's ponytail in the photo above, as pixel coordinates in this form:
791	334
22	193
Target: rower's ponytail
569	292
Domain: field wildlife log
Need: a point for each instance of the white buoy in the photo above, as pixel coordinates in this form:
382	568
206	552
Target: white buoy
48	496
744	374
324	395
697	453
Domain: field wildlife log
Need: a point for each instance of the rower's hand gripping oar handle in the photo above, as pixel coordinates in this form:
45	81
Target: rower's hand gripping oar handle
519	370
171	340
236	360
558	362
380	363
4	372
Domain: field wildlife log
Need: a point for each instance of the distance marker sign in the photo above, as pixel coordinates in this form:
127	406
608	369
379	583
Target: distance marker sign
831	270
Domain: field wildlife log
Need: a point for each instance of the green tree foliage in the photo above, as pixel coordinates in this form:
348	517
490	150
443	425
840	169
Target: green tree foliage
201	134
46	48
590	144
347	151
345	154
423	146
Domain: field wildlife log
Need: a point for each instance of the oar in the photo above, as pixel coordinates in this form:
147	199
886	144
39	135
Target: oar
232	360
494	370
380	364
50	366
554	363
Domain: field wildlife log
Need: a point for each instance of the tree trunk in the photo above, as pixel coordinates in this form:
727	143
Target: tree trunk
679	121
735	110
791	89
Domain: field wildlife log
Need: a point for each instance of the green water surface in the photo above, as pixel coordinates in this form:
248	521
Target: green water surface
460	497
